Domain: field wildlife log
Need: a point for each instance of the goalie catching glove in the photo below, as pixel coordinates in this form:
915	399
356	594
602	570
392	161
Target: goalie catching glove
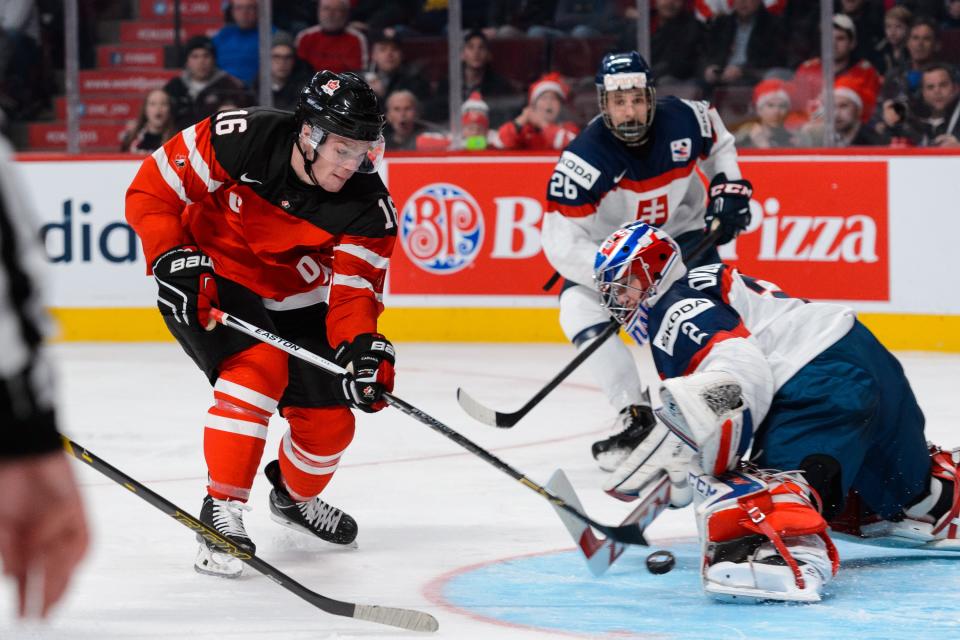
730	204
369	360
186	288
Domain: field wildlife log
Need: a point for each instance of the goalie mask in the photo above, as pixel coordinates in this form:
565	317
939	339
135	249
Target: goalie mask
633	265
620	77
345	120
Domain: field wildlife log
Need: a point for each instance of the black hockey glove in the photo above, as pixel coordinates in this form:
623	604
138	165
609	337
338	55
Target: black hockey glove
369	363
730	204
186	288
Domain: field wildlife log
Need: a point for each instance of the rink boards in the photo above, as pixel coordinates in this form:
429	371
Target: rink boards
872	230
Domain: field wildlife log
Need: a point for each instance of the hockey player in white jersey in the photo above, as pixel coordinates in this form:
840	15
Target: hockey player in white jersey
833	428
635	161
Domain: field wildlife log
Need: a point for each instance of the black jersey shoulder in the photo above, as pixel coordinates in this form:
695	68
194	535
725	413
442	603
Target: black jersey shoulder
253	145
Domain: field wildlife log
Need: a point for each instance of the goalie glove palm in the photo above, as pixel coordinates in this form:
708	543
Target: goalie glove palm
186	288
369	363
730	204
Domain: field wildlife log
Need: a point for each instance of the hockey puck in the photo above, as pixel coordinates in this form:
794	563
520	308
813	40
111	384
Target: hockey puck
660	561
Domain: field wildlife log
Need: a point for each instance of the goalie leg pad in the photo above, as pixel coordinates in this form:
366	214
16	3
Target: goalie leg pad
706	411
762	538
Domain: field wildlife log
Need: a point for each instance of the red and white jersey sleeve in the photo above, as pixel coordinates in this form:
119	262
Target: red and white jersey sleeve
181	172
356	293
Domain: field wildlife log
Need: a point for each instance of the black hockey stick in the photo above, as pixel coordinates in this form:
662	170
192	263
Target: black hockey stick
403	618
494	418
629	534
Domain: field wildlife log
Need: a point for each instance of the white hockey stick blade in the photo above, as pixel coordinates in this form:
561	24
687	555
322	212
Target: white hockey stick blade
601	553
476	410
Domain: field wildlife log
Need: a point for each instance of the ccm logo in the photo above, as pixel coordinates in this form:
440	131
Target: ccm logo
731	188
190	263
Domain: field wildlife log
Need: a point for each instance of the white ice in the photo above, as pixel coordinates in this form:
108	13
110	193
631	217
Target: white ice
425	506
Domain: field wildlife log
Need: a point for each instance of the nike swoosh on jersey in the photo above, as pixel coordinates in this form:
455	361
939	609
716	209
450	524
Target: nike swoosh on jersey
244	178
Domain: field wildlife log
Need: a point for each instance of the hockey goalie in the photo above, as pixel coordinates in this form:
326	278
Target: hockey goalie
784	422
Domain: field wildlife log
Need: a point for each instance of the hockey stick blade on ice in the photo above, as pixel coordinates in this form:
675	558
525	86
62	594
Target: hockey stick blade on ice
623	534
402	618
494	418
599	553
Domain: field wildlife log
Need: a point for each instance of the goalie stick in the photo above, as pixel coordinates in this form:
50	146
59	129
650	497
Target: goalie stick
600	554
624	534
494	418
394	617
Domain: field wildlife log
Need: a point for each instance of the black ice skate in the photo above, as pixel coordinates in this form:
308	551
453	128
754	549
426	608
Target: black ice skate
314	517
637	421
225	517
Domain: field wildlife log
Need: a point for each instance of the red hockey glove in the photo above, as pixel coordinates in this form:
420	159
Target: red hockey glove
186	288
369	363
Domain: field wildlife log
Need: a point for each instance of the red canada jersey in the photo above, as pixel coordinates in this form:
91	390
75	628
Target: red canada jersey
226	185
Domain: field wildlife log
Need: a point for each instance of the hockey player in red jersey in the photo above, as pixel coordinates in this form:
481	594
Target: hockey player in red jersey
638	160
281	219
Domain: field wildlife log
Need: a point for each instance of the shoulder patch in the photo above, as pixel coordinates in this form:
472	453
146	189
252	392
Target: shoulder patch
678	314
700	108
578	169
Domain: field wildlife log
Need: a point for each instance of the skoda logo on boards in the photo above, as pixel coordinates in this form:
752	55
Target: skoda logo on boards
441	228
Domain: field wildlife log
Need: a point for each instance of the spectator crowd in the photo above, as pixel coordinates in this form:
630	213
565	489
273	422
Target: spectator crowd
530	65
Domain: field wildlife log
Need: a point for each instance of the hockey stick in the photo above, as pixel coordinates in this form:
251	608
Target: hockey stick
494	418
402	618
623	534
600	554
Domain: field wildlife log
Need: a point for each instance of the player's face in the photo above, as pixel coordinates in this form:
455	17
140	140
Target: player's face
627	106
939	90
335	160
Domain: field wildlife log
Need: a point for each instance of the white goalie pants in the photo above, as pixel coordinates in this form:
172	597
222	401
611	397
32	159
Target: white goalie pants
582	318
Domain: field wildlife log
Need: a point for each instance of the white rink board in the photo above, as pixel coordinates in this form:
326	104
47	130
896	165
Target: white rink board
924	206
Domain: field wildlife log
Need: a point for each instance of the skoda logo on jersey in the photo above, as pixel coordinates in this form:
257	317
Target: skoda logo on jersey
441	228
680	149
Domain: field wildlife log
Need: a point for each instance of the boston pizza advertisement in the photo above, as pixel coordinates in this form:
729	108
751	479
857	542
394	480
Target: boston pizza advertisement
471	227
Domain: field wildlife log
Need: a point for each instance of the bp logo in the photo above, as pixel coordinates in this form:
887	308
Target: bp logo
441	228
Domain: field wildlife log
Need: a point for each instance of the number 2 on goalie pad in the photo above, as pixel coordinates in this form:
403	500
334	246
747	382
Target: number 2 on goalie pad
601	553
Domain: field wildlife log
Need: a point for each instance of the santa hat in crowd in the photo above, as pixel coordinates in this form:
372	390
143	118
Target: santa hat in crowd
548	82
475	111
772	89
858	92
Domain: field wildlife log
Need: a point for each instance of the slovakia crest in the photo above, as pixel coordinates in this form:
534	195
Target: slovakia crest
441	228
330	87
680	149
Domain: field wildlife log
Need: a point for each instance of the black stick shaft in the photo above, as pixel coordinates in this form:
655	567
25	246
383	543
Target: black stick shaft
403	618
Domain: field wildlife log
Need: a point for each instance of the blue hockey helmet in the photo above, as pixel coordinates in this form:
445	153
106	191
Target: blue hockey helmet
633	264
626	71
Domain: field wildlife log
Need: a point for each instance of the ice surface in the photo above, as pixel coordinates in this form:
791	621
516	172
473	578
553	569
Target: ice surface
427	509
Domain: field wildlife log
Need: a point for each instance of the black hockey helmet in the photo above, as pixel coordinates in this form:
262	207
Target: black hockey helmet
341	103
623	72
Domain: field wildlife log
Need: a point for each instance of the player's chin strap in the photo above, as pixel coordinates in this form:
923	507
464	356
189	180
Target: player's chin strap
307	163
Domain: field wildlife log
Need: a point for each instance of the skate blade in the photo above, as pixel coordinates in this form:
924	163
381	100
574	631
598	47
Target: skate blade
214	563
738	595
296	527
